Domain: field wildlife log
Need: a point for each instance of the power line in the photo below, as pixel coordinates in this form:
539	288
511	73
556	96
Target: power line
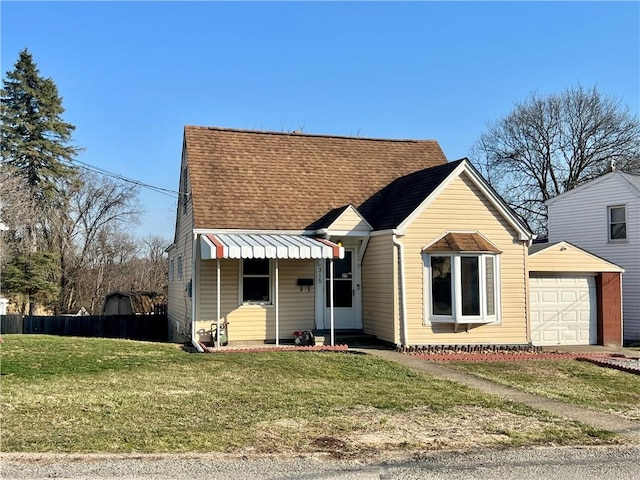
117	176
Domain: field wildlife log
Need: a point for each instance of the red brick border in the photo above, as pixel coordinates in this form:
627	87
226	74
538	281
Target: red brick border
505	357
279	348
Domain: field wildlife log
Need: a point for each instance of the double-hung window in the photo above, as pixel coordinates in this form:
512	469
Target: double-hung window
461	287
255	285
617	223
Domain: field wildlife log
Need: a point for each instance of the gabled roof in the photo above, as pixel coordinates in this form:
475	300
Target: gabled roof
438	178
242	179
581	260
630	181
395	202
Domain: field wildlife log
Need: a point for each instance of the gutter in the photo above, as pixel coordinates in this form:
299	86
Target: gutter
403	292
194	258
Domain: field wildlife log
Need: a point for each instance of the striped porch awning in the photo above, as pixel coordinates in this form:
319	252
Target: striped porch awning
239	245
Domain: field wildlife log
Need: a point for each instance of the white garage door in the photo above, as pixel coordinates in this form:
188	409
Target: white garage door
563	310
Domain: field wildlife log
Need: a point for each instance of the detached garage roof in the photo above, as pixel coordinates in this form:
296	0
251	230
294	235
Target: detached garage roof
565	257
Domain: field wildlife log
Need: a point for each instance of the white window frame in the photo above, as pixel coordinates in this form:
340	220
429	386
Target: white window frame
456	289
171	269
179	267
609	223
241	276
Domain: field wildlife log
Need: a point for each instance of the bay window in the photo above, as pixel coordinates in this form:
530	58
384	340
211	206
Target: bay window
461	287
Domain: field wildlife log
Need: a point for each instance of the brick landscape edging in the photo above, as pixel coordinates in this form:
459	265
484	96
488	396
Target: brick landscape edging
610	362
280	348
504	357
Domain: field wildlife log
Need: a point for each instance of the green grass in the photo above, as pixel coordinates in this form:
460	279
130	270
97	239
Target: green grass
63	394
581	383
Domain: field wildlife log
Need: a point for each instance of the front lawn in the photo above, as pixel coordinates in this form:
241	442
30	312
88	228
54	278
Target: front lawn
63	394
582	383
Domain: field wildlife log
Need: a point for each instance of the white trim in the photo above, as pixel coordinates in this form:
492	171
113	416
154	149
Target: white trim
320	294
343	233
613	266
277	303
218	291
403	291
194	292
331	314
480	183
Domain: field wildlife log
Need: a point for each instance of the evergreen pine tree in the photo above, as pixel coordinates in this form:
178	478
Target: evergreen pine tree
34	145
34	138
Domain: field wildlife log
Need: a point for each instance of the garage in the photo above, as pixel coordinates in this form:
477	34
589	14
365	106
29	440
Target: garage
563	310
575	297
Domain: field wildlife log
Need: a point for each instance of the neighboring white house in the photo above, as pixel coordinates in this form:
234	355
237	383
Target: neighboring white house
603	217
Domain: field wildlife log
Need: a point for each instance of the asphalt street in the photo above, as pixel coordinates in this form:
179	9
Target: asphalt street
584	463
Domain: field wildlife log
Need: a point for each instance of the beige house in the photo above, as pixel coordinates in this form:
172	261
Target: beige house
281	232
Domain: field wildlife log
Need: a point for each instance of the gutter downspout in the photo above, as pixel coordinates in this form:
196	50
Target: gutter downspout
403	292
194	261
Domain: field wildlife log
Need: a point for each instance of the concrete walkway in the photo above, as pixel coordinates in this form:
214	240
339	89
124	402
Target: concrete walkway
625	428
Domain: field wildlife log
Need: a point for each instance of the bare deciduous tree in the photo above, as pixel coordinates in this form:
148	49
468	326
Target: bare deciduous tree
550	144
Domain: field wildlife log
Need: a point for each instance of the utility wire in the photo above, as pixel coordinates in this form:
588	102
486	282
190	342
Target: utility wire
117	176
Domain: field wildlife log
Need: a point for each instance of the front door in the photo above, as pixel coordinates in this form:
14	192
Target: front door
343	292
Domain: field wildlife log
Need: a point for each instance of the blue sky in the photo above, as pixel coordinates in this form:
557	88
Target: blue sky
132	74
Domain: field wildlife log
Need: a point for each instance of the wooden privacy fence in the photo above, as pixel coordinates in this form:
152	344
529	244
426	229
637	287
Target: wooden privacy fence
134	327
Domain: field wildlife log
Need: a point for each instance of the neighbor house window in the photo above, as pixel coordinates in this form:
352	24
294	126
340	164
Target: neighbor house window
179	267
256	280
171	267
461	287
617	223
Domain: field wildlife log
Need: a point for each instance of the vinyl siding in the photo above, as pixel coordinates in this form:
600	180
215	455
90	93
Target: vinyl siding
379	291
248	323
580	217
178	302
565	258
349	220
462	207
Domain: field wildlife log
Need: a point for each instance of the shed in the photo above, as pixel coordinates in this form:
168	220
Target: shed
132	303
575	297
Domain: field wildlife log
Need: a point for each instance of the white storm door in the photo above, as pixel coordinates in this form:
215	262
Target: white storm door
343	292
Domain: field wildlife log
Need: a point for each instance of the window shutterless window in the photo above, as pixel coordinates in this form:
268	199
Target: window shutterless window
179	267
617	223
256	281
461	288
171	267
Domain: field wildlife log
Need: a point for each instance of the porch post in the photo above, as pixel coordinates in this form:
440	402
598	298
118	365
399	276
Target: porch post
331	299
277	301
218	289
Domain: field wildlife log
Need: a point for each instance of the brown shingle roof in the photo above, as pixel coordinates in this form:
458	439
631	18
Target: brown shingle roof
282	181
462	242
